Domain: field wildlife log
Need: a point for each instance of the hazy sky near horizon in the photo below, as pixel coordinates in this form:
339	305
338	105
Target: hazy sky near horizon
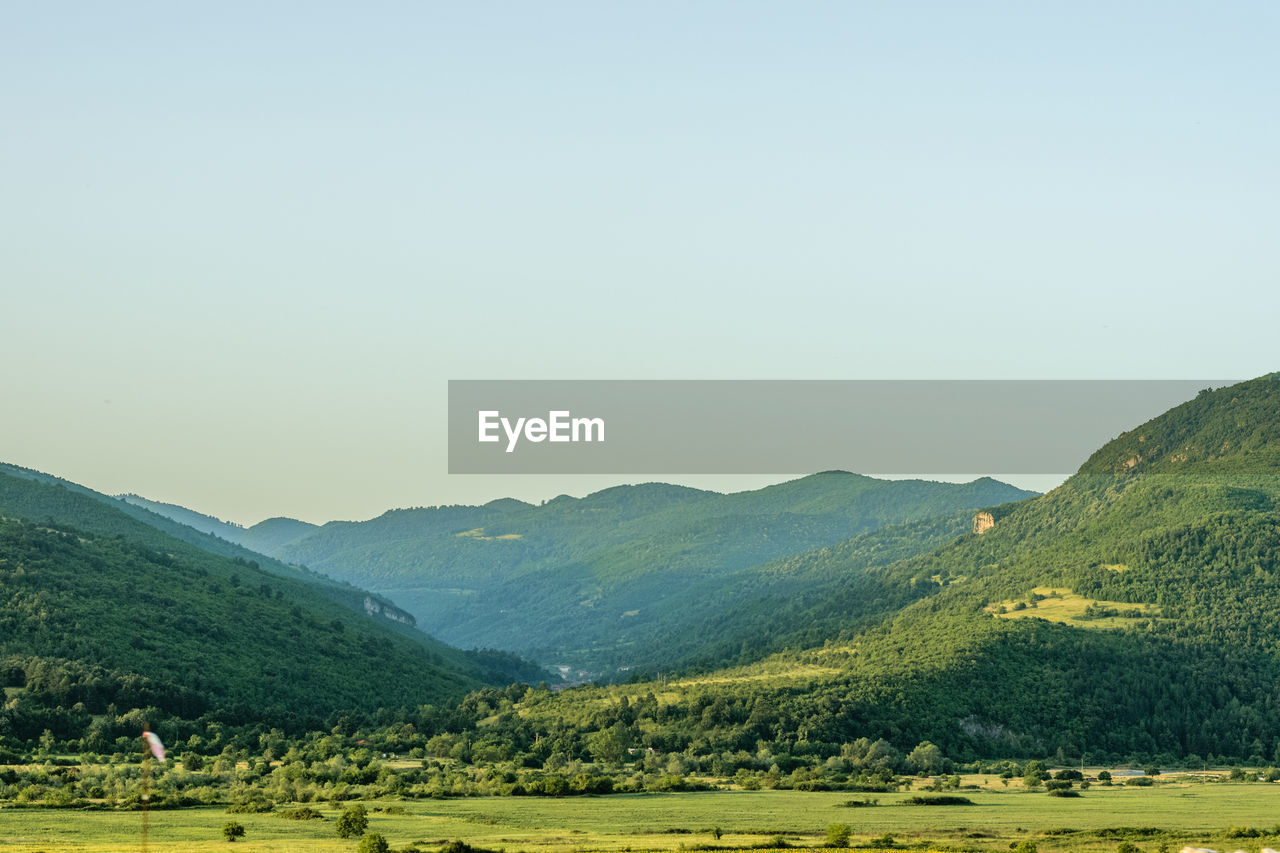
246	245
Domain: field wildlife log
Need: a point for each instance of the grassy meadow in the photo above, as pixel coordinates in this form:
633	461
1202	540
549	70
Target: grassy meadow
1164	817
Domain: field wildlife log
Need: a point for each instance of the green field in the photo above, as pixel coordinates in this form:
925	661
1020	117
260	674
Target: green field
1059	604
1191	813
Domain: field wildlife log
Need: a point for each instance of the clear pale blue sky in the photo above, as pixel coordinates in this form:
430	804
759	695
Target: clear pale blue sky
245	245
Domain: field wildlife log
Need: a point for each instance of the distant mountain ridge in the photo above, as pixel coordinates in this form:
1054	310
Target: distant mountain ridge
606	583
263	537
204	523
273	533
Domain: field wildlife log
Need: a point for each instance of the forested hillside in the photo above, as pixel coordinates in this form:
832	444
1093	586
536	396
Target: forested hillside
1129	612
89	621
98	608
70	503
623	578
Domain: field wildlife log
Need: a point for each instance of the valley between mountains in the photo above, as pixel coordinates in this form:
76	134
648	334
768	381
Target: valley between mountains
833	633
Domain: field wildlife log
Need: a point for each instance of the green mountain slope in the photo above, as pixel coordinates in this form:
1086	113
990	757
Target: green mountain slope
1130	612
816	597
87	620
622	578
70	503
101	620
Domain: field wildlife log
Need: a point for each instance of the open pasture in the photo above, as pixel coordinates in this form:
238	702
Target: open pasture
1196	814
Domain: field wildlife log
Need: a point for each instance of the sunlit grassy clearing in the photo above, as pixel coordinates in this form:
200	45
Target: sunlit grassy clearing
780	671
478	533
1059	604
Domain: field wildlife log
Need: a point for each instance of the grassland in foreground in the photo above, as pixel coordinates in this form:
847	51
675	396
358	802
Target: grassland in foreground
1167	816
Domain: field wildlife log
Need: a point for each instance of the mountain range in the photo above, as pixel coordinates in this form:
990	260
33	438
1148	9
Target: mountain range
613	582
1128	612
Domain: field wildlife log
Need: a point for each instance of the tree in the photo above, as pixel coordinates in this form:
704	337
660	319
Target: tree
373	843
232	830
353	821
838	835
610	745
926	759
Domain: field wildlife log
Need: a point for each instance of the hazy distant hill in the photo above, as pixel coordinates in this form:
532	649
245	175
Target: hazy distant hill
199	521
1131	611
617	578
271	535
263	537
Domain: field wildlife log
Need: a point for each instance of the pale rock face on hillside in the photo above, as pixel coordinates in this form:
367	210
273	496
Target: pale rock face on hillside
388	611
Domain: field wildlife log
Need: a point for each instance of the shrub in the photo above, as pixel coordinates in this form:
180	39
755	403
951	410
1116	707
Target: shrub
303	813
1244	832
941	800
838	835
232	830
1124	832
864	803
457	846
353	822
373	843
